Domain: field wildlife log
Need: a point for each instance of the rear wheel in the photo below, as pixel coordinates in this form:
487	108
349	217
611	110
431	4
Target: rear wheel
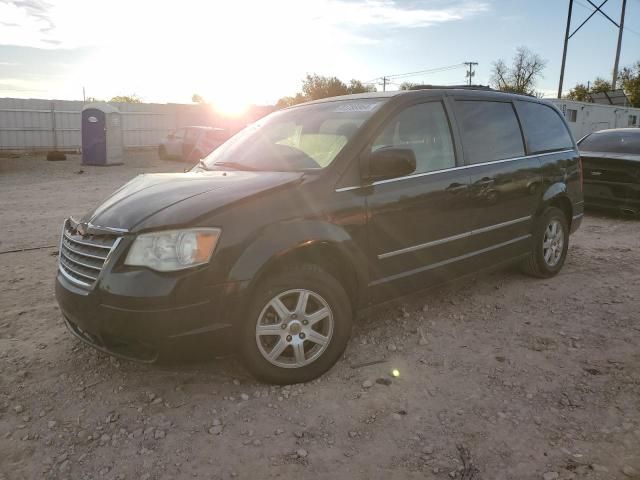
551	241
297	327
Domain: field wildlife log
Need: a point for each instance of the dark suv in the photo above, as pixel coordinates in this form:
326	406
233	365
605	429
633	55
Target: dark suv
275	240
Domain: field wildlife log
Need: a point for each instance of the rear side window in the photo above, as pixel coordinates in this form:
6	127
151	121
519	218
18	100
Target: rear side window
543	127
490	130
423	128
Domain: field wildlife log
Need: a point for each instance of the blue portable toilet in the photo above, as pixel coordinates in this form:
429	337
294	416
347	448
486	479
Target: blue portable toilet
101	129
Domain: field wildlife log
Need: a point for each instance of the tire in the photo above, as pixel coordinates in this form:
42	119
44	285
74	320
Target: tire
548	255
296	357
162	153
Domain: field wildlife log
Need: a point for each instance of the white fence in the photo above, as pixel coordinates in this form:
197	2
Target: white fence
32	124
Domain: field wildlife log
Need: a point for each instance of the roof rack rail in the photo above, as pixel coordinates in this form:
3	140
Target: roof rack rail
465	87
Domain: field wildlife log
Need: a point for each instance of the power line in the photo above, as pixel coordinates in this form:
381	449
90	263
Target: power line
426	72
397	76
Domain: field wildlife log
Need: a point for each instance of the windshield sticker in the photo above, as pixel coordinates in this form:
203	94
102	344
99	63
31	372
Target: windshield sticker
345	107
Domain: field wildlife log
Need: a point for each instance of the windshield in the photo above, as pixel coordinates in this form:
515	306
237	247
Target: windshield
622	141
308	137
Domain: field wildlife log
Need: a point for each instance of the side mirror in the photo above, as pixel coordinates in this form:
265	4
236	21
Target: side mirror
391	162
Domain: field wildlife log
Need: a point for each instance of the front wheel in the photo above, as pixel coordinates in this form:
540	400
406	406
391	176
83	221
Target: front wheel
551	241
297	327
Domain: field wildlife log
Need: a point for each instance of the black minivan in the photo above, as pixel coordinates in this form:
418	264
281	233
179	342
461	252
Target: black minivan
271	244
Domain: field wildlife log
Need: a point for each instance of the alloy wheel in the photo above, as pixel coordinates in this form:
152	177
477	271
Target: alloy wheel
553	243
294	328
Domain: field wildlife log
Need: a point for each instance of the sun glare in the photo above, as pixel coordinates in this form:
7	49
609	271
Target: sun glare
232	106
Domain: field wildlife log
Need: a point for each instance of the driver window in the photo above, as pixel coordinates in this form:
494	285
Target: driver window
425	130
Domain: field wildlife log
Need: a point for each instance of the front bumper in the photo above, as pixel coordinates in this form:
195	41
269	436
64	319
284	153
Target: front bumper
141	327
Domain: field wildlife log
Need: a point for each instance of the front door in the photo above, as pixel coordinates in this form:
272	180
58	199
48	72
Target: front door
94	137
417	224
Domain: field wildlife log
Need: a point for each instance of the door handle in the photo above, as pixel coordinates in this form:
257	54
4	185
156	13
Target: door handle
456	187
484	181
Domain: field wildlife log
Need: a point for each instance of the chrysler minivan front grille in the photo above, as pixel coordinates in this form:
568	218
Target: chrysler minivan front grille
82	257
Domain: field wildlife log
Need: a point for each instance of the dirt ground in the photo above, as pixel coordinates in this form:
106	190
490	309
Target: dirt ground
536	379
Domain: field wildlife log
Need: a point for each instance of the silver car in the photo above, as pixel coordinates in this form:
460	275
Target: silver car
190	144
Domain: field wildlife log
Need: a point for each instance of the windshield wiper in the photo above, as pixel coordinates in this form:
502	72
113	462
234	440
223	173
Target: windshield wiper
202	165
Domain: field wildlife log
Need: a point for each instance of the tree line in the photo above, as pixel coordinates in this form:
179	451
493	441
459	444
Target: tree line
521	75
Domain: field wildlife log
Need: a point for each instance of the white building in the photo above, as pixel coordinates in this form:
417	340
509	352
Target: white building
585	117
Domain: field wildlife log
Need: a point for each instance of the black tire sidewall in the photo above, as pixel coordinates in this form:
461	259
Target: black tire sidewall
313	279
543	222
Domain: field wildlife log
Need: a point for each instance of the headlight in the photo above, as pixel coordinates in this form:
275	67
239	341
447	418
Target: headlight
173	249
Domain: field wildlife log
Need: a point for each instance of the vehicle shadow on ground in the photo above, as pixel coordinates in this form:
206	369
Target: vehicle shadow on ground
611	214
197	364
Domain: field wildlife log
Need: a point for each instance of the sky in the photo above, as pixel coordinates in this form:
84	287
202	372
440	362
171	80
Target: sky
235	52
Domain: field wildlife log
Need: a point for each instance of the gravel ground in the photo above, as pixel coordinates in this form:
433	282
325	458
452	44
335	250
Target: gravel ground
501	376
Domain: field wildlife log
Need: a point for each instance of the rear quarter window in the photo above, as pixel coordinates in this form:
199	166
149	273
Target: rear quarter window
543	128
490	130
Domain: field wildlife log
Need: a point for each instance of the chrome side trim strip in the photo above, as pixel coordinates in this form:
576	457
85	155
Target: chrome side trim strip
418	175
448	261
453	238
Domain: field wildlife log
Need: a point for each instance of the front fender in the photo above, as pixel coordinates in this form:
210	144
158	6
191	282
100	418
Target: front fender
278	240
555	190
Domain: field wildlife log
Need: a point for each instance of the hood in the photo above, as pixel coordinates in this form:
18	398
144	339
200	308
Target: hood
150	195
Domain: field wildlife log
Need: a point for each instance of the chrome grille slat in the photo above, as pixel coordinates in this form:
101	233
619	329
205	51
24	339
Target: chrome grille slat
68	266
84	254
72	257
88	244
82	257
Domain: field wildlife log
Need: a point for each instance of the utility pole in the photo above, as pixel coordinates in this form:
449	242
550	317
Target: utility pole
620	29
470	73
384	84
564	51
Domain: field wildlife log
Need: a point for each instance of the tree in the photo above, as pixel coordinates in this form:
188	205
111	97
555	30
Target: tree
315	87
600	85
582	93
579	93
521	76
407	85
133	98
197	98
630	79
356	86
